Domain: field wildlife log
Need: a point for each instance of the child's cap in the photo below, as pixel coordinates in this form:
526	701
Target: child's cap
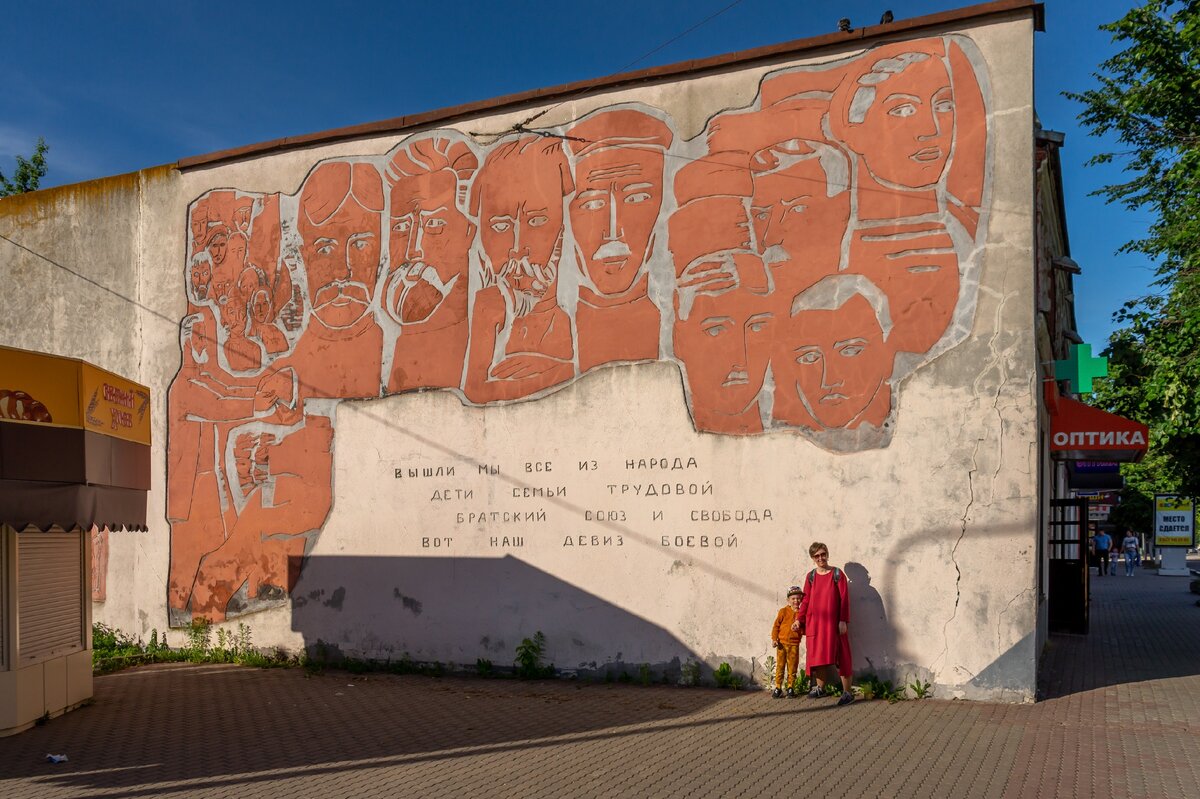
795	590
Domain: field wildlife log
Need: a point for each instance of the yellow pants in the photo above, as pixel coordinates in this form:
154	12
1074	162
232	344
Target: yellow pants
787	657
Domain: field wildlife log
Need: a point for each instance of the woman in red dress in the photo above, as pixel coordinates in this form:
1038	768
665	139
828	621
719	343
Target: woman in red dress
824	616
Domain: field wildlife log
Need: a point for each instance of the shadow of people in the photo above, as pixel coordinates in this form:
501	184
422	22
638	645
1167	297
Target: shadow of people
871	635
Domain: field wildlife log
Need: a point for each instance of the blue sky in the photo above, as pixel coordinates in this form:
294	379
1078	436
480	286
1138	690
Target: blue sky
118	86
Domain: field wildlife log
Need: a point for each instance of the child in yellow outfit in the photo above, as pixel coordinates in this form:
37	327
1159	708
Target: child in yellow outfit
787	642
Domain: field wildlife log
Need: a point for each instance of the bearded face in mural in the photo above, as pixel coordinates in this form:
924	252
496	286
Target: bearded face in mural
430	236
430	240
519	334
339	221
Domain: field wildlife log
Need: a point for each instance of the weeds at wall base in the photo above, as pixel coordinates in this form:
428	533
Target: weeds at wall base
113	650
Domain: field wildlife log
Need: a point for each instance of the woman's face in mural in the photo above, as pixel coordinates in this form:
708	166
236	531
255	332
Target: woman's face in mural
618	195
341	258
909	128
835	361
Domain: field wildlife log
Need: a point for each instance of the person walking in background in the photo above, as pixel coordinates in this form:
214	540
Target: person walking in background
824	616
1131	547
1102	543
785	637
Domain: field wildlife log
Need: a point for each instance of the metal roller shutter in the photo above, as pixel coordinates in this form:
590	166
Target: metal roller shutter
49	594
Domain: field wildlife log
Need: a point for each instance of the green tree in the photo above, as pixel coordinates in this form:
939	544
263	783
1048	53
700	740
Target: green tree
29	174
1148	100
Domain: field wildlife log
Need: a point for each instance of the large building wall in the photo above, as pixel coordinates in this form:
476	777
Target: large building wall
443	388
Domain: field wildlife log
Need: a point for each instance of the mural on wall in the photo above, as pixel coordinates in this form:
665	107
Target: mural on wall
797	260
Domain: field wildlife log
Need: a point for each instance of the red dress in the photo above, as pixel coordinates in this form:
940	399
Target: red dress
825	604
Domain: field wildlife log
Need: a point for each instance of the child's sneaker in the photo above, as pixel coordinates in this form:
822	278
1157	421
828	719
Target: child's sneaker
815	693
778	693
846	699
791	692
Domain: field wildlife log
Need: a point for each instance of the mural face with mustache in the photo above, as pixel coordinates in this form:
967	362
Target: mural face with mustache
619	192
339	224
430	239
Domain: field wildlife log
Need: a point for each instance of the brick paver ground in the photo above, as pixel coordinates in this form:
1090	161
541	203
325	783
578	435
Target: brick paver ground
1121	719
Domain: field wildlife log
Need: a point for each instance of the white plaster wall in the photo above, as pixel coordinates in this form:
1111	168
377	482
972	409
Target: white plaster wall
943	520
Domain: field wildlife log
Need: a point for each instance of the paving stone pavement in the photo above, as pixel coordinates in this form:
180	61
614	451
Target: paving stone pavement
1120	718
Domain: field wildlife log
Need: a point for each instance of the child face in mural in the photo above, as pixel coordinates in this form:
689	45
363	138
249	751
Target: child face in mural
430	241
340	248
618	197
835	362
725	344
798	227
907	132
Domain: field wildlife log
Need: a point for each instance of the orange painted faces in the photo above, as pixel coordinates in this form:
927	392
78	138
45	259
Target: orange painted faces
900	115
618	158
724	339
800	210
339	225
832	360
430	237
518	200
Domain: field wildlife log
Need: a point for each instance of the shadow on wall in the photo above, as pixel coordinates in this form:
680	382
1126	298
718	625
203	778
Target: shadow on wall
457	610
873	637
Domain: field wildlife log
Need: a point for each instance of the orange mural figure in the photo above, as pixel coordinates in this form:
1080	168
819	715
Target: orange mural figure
340	353
427	287
275	466
899	111
723	338
618	161
832	360
280	480
826	235
711	228
200	402
801	210
233	234
521	338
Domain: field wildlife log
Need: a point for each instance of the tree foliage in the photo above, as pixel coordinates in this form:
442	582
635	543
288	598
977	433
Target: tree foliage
29	174
1148	99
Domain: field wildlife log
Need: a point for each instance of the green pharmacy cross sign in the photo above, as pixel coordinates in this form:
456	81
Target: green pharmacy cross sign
1080	368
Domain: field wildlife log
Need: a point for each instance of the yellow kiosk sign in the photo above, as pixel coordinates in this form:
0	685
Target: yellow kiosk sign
1174	520
46	389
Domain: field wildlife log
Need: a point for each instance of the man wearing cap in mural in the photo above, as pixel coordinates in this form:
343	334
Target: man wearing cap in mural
430	238
832	359
618	159
800	210
724	301
521	338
